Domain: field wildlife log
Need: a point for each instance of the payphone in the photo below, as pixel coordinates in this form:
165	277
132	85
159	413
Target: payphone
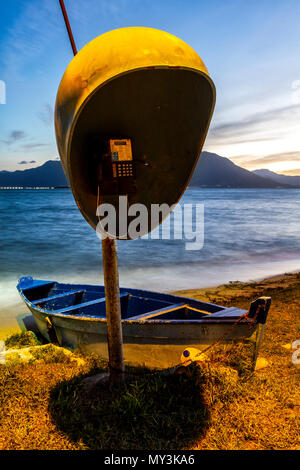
116	170
131	116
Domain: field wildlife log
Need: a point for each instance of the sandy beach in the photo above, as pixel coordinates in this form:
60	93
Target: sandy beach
9	315
237	289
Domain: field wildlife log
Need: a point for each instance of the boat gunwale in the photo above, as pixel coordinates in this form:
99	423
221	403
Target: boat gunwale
130	291
140	319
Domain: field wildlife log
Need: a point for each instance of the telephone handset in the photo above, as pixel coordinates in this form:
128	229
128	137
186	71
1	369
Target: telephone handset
116	172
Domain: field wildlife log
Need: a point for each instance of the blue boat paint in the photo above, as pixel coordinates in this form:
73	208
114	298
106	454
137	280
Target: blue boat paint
157	328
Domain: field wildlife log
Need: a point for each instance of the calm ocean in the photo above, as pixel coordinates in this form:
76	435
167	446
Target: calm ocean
248	234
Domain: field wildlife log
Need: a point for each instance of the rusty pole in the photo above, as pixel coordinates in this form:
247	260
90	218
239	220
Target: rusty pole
67	23
113	308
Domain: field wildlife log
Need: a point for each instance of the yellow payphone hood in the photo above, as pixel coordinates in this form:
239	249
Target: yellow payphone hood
137	83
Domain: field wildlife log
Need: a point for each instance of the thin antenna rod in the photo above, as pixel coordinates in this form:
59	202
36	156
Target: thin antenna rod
65	15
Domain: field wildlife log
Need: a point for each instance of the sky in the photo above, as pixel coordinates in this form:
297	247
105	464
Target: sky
251	50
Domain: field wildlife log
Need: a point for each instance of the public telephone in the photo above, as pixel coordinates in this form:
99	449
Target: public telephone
116	172
138	102
121	157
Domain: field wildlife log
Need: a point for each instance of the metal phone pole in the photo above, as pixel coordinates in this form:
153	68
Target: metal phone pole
113	308
67	23
111	280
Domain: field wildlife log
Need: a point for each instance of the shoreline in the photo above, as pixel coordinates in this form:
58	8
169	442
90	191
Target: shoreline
225	293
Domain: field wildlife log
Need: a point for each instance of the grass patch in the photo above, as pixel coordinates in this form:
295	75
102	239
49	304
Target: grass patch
238	356
50	354
21	340
147	412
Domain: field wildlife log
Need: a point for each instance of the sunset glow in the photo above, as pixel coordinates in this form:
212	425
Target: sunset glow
251	50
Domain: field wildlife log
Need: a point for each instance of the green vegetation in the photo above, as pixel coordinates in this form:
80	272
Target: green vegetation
51	355
218	405
21	340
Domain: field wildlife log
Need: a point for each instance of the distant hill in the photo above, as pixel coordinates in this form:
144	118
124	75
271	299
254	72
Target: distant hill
282	179
48	174
212	171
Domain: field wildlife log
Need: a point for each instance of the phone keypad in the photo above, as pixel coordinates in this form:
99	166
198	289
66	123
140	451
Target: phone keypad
124	169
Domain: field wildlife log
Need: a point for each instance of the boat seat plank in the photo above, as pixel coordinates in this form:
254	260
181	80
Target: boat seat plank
85	304
146	316
58	296
35	285
231	312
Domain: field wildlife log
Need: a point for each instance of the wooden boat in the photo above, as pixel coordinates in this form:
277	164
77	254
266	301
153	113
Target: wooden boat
157	328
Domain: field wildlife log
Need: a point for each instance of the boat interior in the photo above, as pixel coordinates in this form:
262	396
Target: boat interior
89	301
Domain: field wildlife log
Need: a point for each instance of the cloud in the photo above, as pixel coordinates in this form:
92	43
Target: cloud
27	39
295	172
24	162
46	115
268	159
287	163
258	126
14	136
116	9
18	136
39	25
34	145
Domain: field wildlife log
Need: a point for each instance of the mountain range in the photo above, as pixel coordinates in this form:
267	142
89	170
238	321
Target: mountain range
211	171
50	173
282	179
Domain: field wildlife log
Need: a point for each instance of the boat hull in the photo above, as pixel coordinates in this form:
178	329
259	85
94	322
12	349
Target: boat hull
155	339
154	346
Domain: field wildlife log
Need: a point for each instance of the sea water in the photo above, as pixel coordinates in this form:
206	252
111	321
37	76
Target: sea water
248	234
